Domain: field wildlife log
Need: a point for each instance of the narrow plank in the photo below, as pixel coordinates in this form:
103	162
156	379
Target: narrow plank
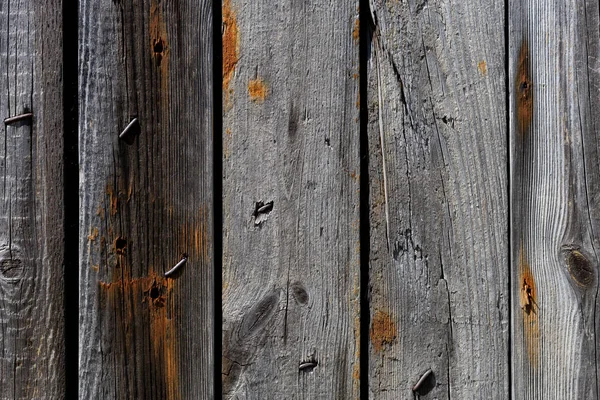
291	275
146	199
438	198
555	182
32	343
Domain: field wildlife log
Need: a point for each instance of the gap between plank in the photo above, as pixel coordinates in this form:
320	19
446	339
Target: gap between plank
365	315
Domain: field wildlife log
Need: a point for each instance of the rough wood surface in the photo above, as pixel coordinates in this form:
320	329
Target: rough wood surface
145	200
438	193
291	202
555	188
31	215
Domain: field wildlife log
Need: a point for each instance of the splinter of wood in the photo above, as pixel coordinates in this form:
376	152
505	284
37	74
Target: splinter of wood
129	132
421	380
177	266
16	118
526	297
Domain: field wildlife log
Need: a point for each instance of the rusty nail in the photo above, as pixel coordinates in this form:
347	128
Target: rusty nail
307	365
126	135
16	118
266	208
421	380
183	260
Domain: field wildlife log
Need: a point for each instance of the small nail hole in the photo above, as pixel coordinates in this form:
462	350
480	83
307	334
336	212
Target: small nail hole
120	245
158	46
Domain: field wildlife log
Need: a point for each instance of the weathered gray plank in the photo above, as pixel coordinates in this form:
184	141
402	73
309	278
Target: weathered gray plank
143	336
438	197
554	81
291	137
31	215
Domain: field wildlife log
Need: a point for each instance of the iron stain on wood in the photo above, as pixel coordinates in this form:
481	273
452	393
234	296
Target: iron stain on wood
528	301
527	291
524	90
230	47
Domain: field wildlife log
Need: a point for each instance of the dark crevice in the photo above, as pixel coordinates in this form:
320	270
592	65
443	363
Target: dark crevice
366	30
71	197
217	194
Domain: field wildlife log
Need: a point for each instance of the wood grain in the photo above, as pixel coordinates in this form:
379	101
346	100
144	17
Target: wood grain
32	343
291	274
145	200
554	81
438	198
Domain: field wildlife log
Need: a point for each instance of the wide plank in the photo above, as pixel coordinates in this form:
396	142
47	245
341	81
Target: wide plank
438	201
32	342
555	188
146	199
291	273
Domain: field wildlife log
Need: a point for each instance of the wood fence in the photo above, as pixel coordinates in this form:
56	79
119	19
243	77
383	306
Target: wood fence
392	199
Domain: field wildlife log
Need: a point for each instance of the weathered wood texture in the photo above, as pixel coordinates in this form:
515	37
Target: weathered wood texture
555	188
31	215
438	195
291	274
144	204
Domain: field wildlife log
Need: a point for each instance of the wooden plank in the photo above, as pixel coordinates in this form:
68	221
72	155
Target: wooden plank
145	200
31	216
555	182
291	275
438	198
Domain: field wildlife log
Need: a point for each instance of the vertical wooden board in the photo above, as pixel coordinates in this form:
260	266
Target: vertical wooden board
554	80
145	204
438	201
291	200
31	216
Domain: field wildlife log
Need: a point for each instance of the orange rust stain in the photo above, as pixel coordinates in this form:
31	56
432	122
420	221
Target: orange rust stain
159	50
524	90
113	199
356	30
257	90
355	75
193	236
158	34
482	66
96	267
149	299
528	300
383	330
93	235
230	46
356	366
